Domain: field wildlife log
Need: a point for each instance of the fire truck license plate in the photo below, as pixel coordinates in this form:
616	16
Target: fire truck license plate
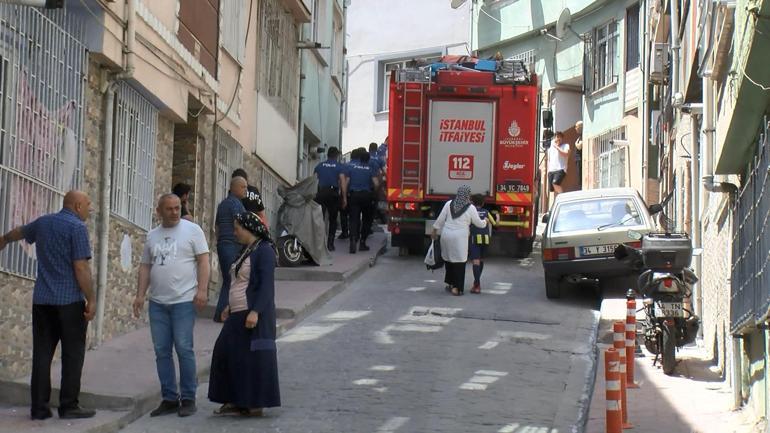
461	167
668	309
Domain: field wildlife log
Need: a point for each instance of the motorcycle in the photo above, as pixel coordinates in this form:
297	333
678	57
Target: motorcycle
665	283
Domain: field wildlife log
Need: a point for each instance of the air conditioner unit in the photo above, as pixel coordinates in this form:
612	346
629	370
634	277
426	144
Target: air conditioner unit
658	62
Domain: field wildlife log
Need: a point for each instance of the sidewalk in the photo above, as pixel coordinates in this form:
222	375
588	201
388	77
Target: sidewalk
119	378
694	400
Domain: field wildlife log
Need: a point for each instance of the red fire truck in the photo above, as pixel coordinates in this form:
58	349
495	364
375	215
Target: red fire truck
475	123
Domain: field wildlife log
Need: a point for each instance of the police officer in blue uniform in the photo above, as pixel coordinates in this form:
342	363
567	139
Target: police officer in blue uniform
332	190
363	181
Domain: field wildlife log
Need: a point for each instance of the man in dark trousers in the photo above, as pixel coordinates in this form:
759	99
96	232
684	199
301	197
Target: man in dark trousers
228	247
363	181
253	200
63	302
332	190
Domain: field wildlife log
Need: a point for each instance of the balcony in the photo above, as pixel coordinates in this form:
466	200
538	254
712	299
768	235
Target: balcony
299	9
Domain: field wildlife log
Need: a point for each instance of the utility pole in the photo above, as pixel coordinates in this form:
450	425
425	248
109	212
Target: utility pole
47	4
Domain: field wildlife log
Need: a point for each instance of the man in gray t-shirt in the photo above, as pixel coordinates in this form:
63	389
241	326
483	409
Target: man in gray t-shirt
175	269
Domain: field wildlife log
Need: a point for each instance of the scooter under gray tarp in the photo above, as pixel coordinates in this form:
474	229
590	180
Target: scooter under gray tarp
301	226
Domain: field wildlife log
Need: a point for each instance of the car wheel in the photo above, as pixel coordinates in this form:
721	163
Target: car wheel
552	286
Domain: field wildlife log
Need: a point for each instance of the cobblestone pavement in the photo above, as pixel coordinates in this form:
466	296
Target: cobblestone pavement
396	353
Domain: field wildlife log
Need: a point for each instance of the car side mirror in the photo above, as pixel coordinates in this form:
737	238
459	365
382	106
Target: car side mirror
655	208
546	218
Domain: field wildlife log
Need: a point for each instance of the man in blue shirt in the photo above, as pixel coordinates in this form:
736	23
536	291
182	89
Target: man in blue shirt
331	181
228	247
363	181
63	302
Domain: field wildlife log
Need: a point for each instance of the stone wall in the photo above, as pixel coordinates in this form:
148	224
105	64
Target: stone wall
16	292
715	281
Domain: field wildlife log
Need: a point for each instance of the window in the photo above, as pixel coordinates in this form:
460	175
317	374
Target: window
386	69
41	121
592	214
133	157
234	24
337	48
632	37
229	158
610	160
600	57
319	18
279	74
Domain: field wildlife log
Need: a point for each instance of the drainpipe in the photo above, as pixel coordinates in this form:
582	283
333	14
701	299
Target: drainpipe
645	96
674	47
106	188
695	221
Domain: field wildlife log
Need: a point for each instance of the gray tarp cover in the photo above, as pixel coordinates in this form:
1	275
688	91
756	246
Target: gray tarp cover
302	217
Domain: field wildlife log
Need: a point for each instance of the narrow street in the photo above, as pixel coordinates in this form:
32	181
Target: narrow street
395	353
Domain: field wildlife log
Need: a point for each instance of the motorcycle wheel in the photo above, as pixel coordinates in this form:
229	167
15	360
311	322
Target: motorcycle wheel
668	348
290	254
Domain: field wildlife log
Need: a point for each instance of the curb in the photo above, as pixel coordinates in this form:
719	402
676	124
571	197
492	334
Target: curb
580	382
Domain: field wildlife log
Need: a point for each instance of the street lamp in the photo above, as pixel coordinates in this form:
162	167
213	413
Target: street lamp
47	4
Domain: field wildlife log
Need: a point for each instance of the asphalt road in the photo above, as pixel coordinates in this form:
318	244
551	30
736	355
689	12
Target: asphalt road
396	353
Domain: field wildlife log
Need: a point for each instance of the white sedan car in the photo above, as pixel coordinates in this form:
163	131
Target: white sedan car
582	231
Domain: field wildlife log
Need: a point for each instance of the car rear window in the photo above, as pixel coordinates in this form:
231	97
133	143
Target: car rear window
595	213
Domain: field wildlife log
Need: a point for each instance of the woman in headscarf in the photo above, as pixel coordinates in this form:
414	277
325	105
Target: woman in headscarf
453	225
244	365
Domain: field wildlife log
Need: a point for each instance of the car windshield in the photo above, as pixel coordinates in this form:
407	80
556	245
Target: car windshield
596	213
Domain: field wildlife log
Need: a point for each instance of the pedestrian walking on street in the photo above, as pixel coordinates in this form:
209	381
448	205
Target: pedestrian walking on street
175	269
453	225
182	190
244	365
362	183
63	302
252	202
479	241
332	191
228	247
558	154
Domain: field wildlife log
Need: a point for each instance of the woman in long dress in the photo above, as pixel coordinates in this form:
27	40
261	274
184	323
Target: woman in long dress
453	224
244	365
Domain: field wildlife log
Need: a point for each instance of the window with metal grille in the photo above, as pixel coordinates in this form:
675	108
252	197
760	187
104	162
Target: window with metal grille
133	157
229	157
234	23
41	120
388	67
600	57
610	159
279	74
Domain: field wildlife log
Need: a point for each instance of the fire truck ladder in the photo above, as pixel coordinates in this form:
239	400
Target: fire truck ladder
412	127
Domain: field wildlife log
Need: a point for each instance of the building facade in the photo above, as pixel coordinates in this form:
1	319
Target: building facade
139	96
589	71
383	37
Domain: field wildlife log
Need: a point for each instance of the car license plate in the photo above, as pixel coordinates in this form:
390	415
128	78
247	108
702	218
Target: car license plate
598	250
669	309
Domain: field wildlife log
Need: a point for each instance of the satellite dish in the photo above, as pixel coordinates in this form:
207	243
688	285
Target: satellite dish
562	25
457	3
